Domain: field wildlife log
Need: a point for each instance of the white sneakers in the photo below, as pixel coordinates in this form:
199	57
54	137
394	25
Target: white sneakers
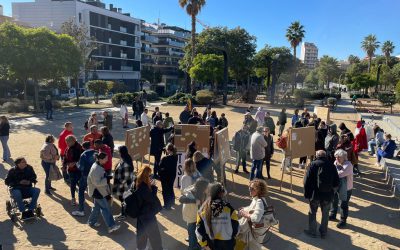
78	213
113	228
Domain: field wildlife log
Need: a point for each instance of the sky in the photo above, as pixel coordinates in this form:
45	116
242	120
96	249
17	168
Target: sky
337	27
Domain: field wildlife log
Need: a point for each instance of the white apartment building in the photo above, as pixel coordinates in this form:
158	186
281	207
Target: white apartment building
117	34
309	54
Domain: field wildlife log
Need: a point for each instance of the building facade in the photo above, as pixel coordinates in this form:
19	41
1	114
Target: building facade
116	34
309	54
162	48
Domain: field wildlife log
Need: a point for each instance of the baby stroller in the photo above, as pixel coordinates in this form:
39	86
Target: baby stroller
12	206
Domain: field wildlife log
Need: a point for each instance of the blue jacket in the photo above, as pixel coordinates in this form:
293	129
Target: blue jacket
295	118
388	149
86	161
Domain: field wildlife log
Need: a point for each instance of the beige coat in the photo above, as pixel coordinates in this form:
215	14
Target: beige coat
49	153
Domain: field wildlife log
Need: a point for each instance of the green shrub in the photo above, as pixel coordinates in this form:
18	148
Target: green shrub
302	93
180	98
204	97
120	98
331	101
14	107
82	100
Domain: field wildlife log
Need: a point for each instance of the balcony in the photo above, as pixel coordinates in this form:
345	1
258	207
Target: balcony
124	43
150	39
148	61
172	43
123	29
124	56
149	50
126	68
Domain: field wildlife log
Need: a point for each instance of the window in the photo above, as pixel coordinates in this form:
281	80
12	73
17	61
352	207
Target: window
80	17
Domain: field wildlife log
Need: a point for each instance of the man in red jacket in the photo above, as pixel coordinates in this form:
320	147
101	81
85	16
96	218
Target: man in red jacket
101	147
62	145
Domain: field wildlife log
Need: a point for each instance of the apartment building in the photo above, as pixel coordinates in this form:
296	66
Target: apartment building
309	54
162	48
117	34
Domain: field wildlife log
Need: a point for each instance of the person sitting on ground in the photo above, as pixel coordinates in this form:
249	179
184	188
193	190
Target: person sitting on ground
217	221
123	178
345	172
72	156
20	179
190	174
99	190
377	141
255	211
92	136
204	165
191	149
319	184
86	161
107	122
167	175
223	122
241	144
269	122
192	197
387	149
101	147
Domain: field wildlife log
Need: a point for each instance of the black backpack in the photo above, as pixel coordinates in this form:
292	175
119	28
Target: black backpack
132	206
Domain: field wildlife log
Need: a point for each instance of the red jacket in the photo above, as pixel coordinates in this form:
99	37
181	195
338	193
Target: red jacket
62	145
107	150
72	155
360	142
91	138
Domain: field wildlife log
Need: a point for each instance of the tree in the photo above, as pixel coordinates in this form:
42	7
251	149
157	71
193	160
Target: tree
362	82
208	68
295	34
193	7
387	100
396	71
387	78
387	50
312	78
86	46
116	87
369	45
97	87
328	69
353	59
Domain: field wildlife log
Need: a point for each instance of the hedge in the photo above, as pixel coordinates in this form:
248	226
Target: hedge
128	97
15	106
204	97
180	98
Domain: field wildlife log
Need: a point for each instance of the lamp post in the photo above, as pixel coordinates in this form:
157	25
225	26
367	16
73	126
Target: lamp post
274	77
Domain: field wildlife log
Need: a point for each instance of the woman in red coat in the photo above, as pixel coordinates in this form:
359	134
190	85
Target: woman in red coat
360	143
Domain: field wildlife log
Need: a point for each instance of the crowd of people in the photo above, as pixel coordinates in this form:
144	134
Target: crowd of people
212	222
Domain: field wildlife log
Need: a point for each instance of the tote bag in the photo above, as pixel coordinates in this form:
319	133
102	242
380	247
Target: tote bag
54	173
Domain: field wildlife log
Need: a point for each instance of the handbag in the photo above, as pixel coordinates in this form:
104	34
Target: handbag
54	173
259	230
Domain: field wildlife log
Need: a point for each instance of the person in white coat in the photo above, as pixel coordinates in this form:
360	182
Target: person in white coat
144	118
260	115
254	214
124	115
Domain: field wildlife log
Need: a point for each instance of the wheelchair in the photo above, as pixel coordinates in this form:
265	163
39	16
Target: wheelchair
12	206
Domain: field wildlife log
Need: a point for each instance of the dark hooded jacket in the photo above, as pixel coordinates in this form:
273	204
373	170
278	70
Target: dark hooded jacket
331	141
345	131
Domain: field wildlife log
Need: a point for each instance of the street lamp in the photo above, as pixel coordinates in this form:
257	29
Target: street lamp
274	76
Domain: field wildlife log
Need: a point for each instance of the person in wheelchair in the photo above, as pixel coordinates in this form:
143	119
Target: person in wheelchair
20	180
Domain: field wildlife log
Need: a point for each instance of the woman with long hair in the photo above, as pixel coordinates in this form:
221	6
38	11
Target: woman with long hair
107	138
99	190
4	136
123	178
190	174
147	226
167	174
217	223
49	155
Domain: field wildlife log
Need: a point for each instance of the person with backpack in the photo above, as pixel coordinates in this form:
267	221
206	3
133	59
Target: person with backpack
149	206
241	144
192	197
99	190
217	221
167	174
320	183
123	178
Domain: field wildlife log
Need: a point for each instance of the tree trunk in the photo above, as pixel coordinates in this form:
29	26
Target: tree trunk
25	89
268	80
294	69
369	64
96	100
37	105
274	80
192	80
225	85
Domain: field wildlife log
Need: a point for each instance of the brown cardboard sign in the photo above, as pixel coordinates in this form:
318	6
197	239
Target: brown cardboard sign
301	142
185	133
137	141
222	149
323	113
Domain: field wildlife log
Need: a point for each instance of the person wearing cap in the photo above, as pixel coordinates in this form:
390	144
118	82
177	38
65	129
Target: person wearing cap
257	153
157	144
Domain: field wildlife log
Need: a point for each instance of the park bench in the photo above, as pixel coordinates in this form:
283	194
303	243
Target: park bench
391	169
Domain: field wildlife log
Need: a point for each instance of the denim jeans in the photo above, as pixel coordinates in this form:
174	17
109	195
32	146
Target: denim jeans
312	216
371	146
47	183
81	192
344	206
380	154
6	149
257	168
241	158
103	206
74	178
267	164
19	193
49	114
191	228
148	229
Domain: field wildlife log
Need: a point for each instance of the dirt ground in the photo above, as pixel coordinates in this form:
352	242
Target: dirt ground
373	222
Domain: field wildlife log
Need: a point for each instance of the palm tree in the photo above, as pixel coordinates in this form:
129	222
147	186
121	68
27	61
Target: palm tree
193	8
353	59
387	50
369	45
295	35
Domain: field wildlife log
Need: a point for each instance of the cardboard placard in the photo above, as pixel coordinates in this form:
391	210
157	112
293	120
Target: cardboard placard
323	113
185	133
179	169
301	142
222	149
137	141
